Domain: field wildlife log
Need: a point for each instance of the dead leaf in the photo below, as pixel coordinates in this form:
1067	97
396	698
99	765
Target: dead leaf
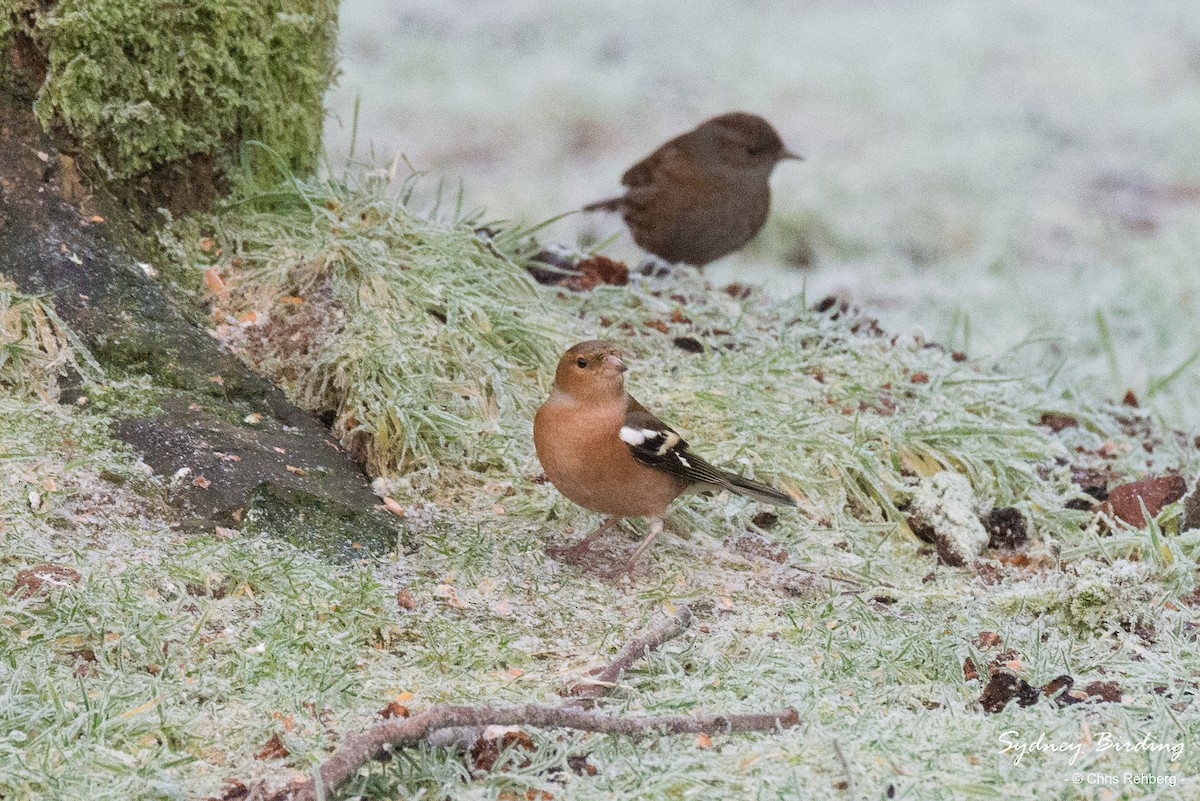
273	749
1056	421
234	791
1125	502
580	765
1109	691
450	595
496	739
85	659
31	580
1005	687
918	464
213	280
987	639
137	710
394	710
658	325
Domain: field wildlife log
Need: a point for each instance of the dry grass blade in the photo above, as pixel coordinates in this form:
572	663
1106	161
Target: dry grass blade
36	347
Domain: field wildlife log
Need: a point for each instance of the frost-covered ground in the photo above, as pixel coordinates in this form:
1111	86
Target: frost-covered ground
1009	177
157	663
993	174
141	659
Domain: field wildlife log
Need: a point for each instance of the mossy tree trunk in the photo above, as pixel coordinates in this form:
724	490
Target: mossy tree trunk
112	109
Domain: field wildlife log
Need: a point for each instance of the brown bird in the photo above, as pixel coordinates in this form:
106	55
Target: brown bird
607	452
704	193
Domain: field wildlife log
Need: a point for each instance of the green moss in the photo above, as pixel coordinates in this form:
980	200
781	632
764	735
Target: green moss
6	23
316	524
1097	599
9	15
140	84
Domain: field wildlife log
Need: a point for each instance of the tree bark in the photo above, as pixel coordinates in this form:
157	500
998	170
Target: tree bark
55	241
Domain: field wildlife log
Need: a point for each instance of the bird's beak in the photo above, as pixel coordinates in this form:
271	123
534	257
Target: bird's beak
790	156
616	363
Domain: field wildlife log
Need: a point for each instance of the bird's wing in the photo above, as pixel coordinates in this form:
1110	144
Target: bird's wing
652	442
668	160
640	181
642	173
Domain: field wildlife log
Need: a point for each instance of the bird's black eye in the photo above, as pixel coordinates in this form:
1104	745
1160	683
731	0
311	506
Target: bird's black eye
581	362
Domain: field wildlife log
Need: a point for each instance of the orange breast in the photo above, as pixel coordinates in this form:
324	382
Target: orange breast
583	456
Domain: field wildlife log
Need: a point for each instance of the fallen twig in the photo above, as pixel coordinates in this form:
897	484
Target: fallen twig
396	734
634	650
599	684
443	719
837	749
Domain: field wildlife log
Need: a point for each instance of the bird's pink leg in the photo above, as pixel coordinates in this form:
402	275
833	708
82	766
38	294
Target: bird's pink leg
583	547
656	527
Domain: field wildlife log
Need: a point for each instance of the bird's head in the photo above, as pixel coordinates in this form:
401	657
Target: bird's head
744	141
592	371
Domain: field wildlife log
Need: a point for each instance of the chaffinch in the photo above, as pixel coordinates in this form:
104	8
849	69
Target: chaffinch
607	452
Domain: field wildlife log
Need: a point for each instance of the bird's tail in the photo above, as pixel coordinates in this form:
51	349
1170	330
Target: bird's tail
612	204
757	491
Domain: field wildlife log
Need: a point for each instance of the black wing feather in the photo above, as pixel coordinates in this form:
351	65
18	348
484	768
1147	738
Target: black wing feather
652	442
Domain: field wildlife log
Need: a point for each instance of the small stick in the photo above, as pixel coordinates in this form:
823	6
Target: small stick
837	749
384	738
634	650
599	684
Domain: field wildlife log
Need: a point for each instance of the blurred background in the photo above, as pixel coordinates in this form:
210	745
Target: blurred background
1013	178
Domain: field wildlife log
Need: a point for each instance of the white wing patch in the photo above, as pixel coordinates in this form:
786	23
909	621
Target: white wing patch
640	436
634	436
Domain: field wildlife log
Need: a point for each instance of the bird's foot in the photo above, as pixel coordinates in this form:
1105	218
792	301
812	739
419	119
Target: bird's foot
616	572
592	561
655	267
576	554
